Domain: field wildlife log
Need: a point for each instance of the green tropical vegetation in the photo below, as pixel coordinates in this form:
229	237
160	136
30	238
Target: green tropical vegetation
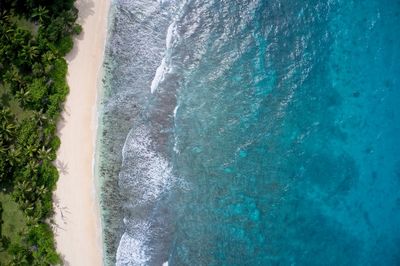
35	35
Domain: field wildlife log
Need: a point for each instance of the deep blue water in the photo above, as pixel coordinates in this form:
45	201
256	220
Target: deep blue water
265	132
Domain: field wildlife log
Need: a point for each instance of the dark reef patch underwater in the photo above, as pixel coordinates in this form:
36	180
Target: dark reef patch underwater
252	133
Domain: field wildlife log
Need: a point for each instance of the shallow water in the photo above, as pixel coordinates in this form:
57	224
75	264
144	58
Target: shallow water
252	133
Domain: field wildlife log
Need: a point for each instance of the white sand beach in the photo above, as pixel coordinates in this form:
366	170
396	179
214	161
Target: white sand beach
77	218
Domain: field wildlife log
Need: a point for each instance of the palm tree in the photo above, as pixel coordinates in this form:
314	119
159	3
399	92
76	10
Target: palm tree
41	191
28	208
3	149
70	17
23	96
48	57
37	69
7	125
45	154
32	220
5	16
21	193
5	114
30	150
40	117
14	156
40	13
20	37
19	259
33	166
29	52
15	75
24	186
9	34
7	131
14	78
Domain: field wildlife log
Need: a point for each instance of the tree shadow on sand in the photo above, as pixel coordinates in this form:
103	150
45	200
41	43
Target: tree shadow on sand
86	9
62	167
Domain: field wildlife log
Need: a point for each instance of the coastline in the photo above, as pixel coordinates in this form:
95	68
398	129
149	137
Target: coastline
78	231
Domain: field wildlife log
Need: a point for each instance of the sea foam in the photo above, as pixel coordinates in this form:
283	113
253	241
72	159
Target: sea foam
165	65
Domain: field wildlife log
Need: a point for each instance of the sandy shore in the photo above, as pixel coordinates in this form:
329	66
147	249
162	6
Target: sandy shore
78	227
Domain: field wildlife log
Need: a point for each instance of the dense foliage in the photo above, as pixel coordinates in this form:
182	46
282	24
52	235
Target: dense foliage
35	35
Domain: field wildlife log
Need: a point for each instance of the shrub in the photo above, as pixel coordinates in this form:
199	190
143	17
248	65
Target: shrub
38	93
55	143
42	239
48	175
65	45
77	29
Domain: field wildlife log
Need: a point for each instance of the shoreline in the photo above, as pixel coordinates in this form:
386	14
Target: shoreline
78	231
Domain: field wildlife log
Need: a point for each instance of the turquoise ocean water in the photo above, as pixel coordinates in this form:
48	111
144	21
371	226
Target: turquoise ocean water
252	132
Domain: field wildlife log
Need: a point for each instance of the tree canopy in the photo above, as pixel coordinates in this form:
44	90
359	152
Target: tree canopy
35	35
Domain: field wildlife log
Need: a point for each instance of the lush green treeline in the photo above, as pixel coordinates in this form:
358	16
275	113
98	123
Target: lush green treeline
35	35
